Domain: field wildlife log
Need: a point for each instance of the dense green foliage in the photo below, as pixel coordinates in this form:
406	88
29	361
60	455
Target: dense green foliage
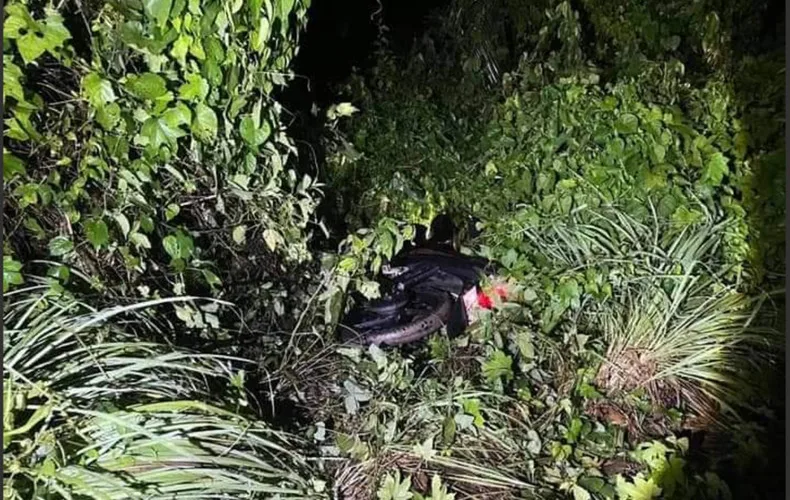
565	133
613	158
90	410
624	161
155	152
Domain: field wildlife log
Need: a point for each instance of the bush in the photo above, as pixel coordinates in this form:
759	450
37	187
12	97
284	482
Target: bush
143	145
569	130
619	174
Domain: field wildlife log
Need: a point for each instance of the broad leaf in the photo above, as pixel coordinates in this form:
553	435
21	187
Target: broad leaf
715	169
11	272
498	365
12	85
146	85
97	90
31	46
60	245
97	233
272	238
170	244
205	126
640	489
195	89
394	489
171	211
240	234
157	10
108	116
157	132
12	166
627	123
252	135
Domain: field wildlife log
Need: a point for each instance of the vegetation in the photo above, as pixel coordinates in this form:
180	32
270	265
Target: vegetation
171	287
92	411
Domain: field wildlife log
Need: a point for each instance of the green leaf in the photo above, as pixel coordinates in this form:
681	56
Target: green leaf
195	89
684	217
260	35
568	293
345	109
13	26
627	123
97	232
31	46
205	125
510	258
108	116
146	86
425	449
524	343
60	245
157	132
157	10
177	116
369	289
640	489
448	431
580	493
340	110
12	84
27	193
393	488
715	169
140	240
11	272
185	245
252	135
171	211
498	365
123	223
181	48
13	129
211	278
54	32
170	244
240	234
12	166
97	90
146	223
272	239
439	491
472	407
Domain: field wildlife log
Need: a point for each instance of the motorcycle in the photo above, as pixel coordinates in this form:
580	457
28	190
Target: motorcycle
426	286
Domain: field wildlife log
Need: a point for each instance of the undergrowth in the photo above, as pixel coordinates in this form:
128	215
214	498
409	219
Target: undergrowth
622	162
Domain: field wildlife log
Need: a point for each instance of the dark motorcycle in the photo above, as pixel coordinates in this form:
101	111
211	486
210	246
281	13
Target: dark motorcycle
424	286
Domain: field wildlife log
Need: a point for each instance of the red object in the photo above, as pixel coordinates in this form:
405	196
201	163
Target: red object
484	300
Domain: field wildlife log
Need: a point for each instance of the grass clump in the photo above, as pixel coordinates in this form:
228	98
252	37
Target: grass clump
92	410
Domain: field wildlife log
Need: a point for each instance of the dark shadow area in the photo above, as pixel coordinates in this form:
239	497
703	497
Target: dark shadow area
759	77
341	39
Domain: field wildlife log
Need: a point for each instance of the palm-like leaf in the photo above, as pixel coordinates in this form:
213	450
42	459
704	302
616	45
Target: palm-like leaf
91	410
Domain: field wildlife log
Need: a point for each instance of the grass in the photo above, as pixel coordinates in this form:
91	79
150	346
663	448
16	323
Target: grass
697	338
671	325
92	410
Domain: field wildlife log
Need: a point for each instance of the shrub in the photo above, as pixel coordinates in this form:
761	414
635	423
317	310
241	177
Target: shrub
143	145
570	129
91	410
